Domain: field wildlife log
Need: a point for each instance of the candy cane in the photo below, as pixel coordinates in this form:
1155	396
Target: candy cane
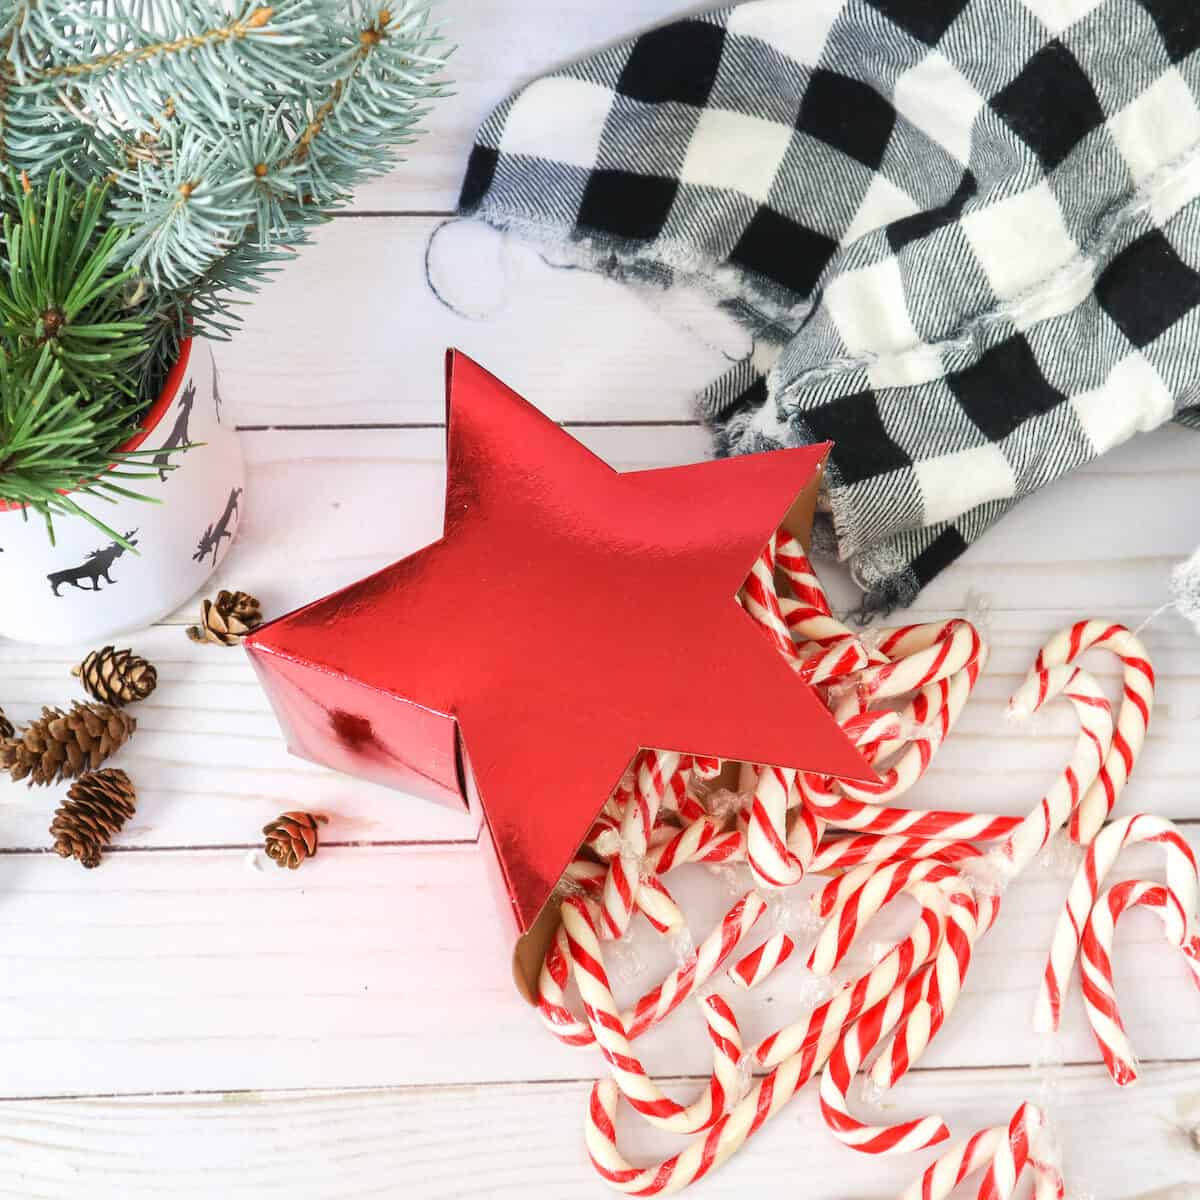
772	864
761	601
1095	736
1091	748
709	958
653	774
843	1065
792	560
756	966
1099	992
551	1003
642	1093
702	841
805	831
1133	717
865	848
822	664
834	894
1101	855
1013	1154
766	1098
816	1036
980	1150
968	918
855	909
936	708
921	654
660	1001
911	822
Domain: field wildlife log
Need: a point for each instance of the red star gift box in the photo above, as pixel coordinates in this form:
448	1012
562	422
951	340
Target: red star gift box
569	615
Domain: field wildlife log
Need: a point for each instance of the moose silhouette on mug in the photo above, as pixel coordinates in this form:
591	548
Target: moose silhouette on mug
210	543
179	434
95	567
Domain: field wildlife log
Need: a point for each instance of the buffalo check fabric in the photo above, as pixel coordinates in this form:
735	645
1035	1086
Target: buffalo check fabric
966	235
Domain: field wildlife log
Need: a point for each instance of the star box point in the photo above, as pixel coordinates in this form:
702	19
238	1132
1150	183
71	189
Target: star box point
569	615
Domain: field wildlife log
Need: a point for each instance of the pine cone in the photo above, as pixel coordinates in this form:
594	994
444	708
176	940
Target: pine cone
62	745
292	837
227	619
96	807
7	728
116	676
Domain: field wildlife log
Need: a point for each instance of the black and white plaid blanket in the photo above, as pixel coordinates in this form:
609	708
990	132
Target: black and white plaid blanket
965	233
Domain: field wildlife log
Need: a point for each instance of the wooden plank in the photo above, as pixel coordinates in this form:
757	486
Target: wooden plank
351	332
194	970
498	48
516	1141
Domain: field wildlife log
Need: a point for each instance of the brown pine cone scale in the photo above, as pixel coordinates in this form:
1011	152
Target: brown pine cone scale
116	676
62	745
292	837
97	806
226	620
7	729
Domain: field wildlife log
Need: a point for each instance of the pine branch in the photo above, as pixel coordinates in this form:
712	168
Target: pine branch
73	353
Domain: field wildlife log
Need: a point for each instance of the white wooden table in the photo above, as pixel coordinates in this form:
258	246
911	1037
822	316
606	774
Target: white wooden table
187	1021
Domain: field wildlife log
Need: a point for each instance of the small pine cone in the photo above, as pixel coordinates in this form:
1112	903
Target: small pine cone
116	676
7	728
97	805
62	745
292	837
227	619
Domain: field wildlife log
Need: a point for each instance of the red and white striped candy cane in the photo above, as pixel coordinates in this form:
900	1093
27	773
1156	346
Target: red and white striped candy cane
652	778
766	1097
962	1160
887	820
761	601
968	918
861	849
823	664
856	908
921	655
756	966
1101	856
772	864
702	841
963	927
902	1138
659	1002
1099	992
834	893
805	831
815	1036
1014	1153
792	560
639	1089
1133	716
711	955
552	985
934	710
1091	748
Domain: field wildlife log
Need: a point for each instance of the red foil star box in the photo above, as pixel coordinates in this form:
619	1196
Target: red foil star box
569	615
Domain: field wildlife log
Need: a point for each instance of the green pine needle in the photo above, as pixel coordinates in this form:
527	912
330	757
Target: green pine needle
73	356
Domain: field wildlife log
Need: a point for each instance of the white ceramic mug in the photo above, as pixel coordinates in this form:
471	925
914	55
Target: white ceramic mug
87	587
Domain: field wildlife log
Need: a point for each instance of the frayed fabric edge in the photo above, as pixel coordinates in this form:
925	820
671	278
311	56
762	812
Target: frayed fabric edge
757	305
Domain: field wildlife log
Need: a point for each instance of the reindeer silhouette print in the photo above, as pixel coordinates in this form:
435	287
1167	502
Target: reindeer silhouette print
210	543
95	567
179	434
